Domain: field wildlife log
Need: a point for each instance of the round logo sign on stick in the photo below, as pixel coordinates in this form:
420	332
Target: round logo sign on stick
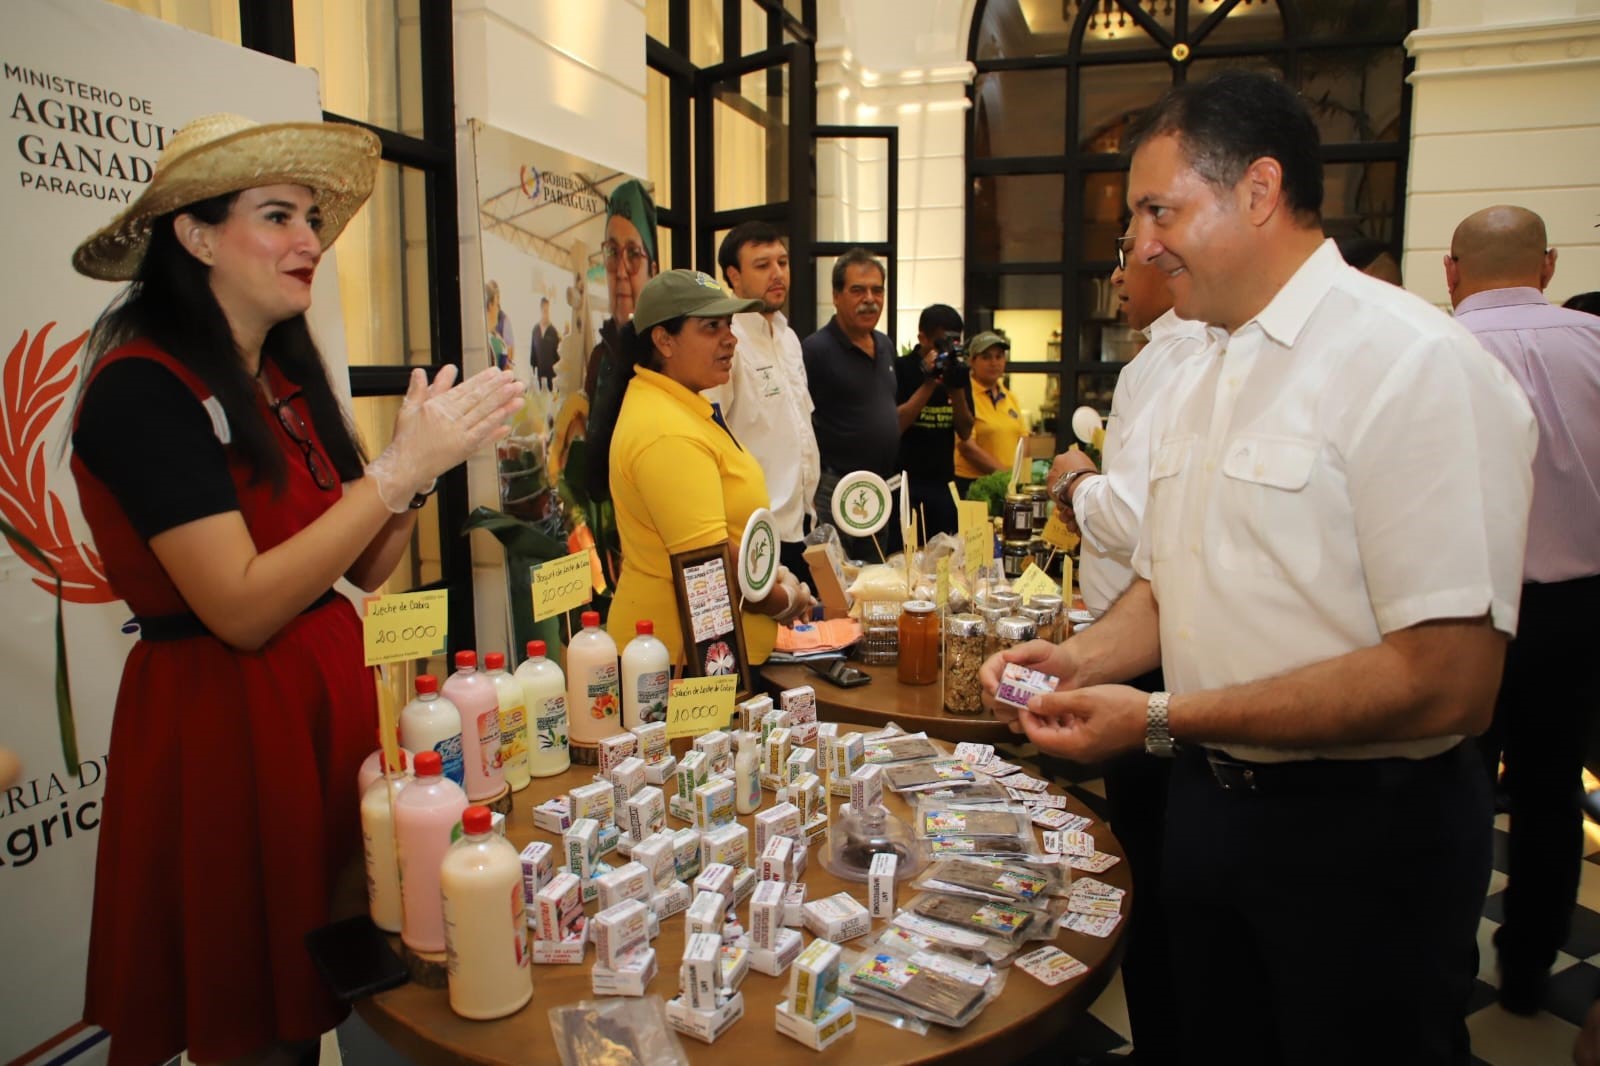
1085	420
758	556
861	504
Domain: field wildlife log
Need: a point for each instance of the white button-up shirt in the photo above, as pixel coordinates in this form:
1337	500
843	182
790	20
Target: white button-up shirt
1348	463
1110	506
768	408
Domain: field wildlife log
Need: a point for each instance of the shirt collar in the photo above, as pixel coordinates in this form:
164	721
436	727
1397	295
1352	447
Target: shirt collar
1170	325
757	325
1287	312
695	403
849	345
1516	296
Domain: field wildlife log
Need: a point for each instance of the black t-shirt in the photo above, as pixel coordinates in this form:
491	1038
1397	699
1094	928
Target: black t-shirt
927	448
143	433
855	420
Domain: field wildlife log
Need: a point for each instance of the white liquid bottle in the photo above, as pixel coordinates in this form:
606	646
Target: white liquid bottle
474	696
424	816
513	722
646	675
432	723
377	839
544	696
485	930
372	766
594	692
747	773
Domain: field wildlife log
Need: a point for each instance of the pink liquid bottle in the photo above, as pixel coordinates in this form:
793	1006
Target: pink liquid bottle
372	767
426	813
475	697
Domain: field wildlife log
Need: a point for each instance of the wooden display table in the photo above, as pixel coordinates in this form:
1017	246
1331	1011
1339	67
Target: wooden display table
418	1022
886	700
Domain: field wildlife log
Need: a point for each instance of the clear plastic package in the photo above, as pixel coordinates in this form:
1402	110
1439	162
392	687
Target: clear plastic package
923	774
944	818
632	1031
1011	923
995	879
885	748
924	981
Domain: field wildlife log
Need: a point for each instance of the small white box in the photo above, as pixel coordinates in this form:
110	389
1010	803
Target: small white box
646	812
632	978
778	719
718	748
581	844
794	901
686	854
866	788
627	777
735	966
567	952
744	886
748	715
692	772
628	881
815	828
775	755
654	747
670	900
803	735
553	815
766	914
700	973
680	808
774	961
880	884
538	867
782	820
776	859
705	1025
837	918
814	981
596	801
801	761
838	1019
800	702
590	886
727	844
618	930
654	853
558	907
713	805
717	877
610	839
660	773
849	754
806	792
706	914
614	749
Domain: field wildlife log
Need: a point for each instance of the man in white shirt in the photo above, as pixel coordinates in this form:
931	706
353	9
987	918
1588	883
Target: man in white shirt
766	403
1328	571
1107	509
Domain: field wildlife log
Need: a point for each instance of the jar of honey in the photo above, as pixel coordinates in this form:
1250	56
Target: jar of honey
919	643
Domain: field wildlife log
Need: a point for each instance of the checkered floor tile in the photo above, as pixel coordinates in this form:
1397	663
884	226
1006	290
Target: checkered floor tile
1498	1038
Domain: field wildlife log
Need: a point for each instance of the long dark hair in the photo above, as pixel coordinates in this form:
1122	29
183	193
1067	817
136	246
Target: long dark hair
635	350
170	303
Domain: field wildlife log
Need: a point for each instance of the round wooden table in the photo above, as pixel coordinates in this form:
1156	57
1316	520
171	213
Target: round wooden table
1027	1015
886	700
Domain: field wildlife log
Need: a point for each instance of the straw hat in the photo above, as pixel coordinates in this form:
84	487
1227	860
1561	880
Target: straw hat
222	153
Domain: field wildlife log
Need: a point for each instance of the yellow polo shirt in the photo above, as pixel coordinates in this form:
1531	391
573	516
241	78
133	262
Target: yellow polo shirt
997	426
678	481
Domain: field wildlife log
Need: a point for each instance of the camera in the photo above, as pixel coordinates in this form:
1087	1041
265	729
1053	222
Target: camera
950	365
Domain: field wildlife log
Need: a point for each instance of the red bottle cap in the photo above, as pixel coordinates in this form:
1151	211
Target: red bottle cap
475	821
429	764
590	618
466	660
494	661
644	627
536	649
426	684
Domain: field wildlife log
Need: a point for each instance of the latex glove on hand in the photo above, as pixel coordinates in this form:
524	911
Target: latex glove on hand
789	598
439	426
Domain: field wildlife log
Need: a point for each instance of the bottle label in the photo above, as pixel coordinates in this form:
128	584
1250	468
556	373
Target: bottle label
603	691
489	740
550	725
513	735
650	694
449	751
519	925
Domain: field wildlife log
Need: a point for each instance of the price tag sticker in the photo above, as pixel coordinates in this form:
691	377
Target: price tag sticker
977	533
560	585
941	583
1034	582
411	625
698	705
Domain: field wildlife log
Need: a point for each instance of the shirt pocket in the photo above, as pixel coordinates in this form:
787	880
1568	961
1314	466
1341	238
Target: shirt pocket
1269	521
1163	512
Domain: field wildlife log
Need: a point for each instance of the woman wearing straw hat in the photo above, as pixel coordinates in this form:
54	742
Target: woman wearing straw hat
678	478
226	494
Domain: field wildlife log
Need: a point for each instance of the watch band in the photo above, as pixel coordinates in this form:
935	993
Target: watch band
1157	735
1061	491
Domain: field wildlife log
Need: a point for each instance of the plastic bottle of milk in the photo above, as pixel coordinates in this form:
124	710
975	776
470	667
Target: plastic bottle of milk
432	723
594	694
646	674
377	838
485	930
474	696
372	767
747	773
513	722
424	816
544	696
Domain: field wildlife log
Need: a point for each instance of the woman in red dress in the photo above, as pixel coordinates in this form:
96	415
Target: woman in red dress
226	493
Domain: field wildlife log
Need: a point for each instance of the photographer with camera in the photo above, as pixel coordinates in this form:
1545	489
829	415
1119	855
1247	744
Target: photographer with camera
931	394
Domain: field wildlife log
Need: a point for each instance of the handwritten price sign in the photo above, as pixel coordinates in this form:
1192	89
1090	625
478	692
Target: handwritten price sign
412	625
977	534
1034	582
941	583
560	585
698	705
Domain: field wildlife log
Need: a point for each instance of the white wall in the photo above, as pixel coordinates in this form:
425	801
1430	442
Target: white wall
1505	109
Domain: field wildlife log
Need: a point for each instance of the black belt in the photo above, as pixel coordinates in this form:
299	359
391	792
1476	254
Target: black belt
1312	776
187	625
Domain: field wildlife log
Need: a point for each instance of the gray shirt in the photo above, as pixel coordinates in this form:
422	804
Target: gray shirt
856	420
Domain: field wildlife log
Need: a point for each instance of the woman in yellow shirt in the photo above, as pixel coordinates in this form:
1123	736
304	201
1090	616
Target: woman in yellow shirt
998	423
679	479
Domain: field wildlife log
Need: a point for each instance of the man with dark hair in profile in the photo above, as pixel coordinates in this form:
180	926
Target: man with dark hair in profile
766	403
850	371
1497	270
1327	573
934	412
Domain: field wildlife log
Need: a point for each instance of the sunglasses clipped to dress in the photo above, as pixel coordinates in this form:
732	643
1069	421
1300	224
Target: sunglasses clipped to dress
295	426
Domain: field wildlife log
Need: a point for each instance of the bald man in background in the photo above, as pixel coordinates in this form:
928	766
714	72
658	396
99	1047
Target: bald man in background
1497	270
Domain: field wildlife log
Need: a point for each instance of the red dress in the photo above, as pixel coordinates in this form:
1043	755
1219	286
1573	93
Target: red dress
230	801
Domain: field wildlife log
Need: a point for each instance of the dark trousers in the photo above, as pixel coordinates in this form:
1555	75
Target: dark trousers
792	553
931	502
1136	795
1330	916
1541	725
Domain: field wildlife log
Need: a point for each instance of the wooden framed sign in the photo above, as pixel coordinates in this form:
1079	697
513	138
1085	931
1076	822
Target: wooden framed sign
707	587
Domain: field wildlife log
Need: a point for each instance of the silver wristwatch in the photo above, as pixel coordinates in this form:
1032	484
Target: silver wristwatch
1061	491
1157	737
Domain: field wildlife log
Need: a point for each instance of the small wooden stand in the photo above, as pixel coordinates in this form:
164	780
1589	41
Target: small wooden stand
427	968
500	803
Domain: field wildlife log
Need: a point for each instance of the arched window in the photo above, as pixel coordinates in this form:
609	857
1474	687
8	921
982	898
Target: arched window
1058	81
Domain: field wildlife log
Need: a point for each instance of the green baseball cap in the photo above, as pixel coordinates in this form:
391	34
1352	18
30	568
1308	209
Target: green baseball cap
986	340
685	292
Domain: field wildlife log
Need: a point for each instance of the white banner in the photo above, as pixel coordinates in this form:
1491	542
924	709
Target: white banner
91	93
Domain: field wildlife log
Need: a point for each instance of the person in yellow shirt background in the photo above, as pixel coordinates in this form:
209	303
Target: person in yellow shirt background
679	479
997	420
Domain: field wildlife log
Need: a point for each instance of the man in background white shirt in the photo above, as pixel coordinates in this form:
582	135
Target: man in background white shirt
1328	571
766	403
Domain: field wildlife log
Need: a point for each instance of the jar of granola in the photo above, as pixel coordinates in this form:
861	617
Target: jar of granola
964	652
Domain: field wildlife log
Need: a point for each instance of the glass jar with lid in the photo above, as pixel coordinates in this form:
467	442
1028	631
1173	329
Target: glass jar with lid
1055	606
966	647
880	632
1017	517
919	643
1015	555
1013	630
